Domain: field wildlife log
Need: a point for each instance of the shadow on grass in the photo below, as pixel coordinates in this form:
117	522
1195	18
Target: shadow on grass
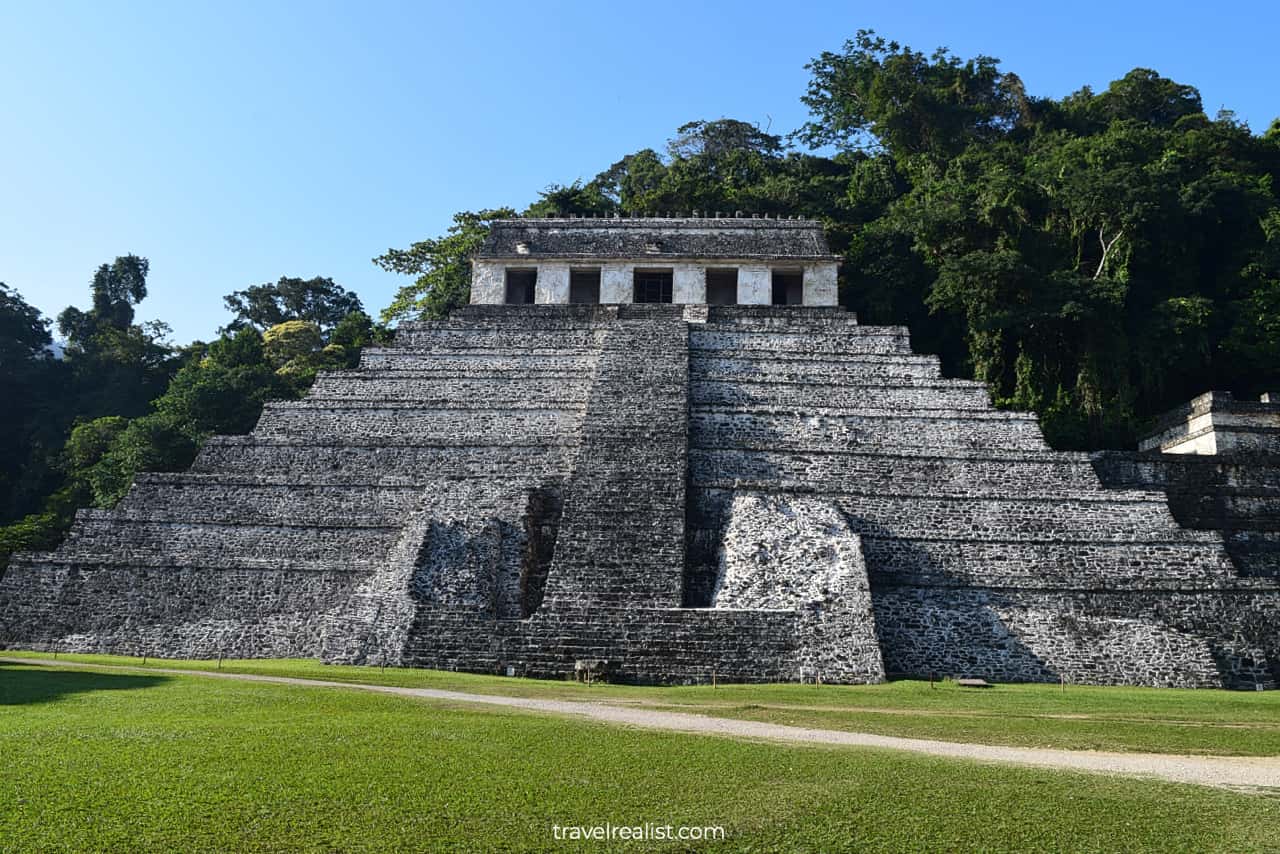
26	684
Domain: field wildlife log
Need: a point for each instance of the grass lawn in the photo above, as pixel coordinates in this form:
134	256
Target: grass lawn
98	760
1239	723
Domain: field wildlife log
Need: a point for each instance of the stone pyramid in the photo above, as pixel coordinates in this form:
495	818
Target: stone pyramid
662	492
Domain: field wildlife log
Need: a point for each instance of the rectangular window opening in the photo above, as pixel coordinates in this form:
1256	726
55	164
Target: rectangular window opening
584	287
653	286
722	286
521	286
788	287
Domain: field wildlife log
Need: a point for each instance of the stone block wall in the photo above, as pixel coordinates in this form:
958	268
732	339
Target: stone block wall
1166	638
987	554
1236	495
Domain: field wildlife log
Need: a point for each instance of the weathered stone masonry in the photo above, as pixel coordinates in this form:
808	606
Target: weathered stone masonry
756	492
1217	459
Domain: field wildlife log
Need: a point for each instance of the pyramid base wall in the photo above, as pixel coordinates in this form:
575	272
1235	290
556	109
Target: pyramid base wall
169	612
643	646
1167	638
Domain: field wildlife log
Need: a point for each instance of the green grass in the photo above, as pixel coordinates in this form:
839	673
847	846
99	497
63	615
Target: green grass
111	761
1081	718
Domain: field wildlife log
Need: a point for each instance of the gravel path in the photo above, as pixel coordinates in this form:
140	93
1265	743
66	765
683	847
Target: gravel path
1233	772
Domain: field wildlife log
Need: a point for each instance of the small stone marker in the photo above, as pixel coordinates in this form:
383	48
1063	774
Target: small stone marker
974	683
590	669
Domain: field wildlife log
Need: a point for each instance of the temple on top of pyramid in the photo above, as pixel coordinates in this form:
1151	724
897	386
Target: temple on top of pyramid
682	260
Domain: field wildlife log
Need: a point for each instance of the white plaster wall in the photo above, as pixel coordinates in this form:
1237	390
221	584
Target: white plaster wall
553	283
617	282
689	281
689	284
1206	443
820	284
488	283
755	284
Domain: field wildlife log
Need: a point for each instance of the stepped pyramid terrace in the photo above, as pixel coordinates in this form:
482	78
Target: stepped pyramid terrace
656	449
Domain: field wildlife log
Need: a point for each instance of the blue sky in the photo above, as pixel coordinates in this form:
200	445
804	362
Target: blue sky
234	143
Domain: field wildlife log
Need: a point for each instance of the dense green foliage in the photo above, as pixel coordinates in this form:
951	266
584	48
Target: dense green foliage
148	762
1099	255
29	379
111	369
1097	259
319	301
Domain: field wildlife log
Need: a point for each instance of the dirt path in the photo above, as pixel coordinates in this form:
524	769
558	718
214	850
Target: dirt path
1233	772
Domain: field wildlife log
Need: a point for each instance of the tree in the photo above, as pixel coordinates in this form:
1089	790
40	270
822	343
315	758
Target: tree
24	333
442	267
109	422
1103	256
150	443
356	331
723	165
88	444
222	388
117	366
319	300
634	182
576	199
722	138
1144	96
1253	341
116	289
290	341
881	93
31	383
111	366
